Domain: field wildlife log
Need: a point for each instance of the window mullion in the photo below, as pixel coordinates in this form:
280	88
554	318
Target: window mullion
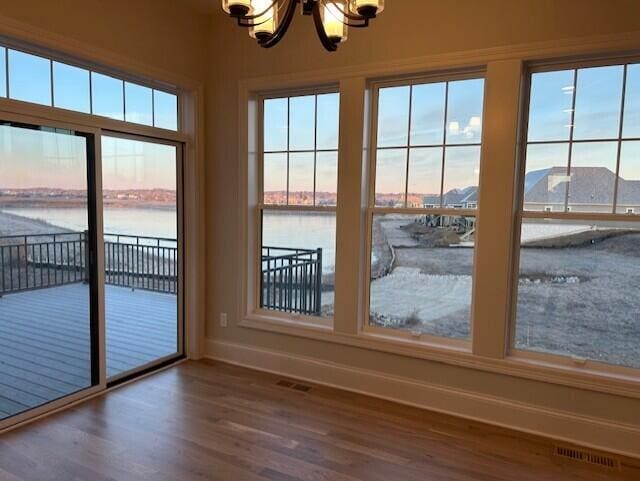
495	224
352	200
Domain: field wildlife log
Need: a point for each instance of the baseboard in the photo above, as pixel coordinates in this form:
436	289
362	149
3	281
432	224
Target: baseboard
595	433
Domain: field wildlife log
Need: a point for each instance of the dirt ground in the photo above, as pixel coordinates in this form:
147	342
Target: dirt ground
577	300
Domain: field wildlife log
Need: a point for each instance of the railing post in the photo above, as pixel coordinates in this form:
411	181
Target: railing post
319	283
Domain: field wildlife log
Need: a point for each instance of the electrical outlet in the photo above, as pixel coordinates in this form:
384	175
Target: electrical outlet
223	319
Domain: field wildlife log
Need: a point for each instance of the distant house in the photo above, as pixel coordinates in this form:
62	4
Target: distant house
466	198
588	189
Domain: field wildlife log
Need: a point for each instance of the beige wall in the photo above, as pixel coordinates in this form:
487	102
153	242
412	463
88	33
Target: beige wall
430	28
159	34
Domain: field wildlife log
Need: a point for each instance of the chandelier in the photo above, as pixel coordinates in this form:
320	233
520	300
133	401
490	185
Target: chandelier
269	20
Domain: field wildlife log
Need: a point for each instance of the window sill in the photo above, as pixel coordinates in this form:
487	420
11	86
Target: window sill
592	378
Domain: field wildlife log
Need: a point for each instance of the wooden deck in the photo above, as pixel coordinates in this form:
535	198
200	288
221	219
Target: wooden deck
44	340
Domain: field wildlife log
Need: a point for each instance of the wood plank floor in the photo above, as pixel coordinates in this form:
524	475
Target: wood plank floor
210	421
44	340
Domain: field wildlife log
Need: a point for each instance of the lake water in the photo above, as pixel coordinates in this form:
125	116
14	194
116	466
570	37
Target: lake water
302	230
308	230
127	221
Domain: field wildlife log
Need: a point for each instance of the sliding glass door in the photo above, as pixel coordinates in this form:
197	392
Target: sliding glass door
140	182
49	326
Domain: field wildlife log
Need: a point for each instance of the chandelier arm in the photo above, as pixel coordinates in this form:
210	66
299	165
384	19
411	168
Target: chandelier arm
283	27
324	39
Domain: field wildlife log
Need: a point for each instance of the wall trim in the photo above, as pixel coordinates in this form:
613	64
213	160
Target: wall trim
592	432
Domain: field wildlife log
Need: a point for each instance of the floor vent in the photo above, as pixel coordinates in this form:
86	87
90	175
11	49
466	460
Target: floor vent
302	387
292	385
583	456
284	383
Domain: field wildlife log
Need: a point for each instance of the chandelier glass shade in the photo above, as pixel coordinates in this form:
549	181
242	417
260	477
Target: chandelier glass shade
269	20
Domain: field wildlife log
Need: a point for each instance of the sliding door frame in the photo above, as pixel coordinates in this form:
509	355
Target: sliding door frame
181	347
96	313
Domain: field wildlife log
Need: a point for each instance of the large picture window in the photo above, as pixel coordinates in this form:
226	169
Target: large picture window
298	209
579	233
422	210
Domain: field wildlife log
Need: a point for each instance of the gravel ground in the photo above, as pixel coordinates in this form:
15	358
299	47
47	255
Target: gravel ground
579	301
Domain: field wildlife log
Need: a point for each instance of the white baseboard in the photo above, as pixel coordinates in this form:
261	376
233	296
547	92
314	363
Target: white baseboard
595	433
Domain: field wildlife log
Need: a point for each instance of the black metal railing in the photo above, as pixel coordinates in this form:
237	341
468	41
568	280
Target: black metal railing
291	280
43	260
40	261
139	262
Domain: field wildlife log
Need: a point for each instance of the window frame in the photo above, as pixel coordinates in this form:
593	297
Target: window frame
187	136
404	335
261	206
566	361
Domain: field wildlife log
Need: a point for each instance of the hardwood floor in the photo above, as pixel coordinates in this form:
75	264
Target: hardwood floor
211	421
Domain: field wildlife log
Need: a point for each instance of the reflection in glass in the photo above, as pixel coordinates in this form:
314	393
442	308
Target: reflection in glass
326	178
629	179
391	177
71	88
393	116
631	125
421	274
302	123
577	290
275	178
598	103
550	105
107	96
593	176
427	114
461	175
546	179
165	110
141	252
298	262
45	296
425	177
138	104
29	78
328	116
301	178
464	111
275	125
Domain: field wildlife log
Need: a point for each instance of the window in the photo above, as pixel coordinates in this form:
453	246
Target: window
298	209
40	80
29	78
138	104
427	162
71	88
578	262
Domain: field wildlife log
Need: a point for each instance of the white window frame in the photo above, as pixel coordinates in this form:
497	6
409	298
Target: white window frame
501	145
373	210
302	319
592	367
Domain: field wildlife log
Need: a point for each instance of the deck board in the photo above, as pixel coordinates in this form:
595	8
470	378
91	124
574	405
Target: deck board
44	340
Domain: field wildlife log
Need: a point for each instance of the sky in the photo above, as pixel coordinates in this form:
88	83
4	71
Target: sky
73	88
34	158
30	158
598	103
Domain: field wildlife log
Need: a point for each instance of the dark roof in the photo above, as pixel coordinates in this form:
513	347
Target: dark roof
455	196
589	185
